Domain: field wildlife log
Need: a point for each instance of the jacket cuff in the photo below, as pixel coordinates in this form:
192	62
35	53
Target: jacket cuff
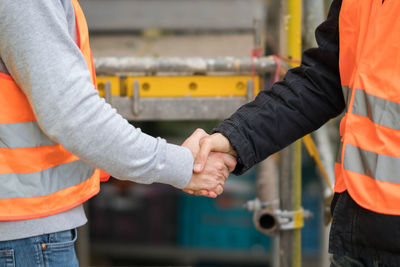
245	158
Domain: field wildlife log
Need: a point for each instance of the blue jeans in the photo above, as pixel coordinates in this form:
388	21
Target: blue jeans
345	261
49	250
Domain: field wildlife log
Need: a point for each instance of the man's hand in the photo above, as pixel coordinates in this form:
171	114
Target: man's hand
215	142
211	180
193	142
224	163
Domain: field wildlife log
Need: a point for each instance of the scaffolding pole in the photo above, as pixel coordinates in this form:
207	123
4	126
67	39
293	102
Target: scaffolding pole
290	165
197	65
314	15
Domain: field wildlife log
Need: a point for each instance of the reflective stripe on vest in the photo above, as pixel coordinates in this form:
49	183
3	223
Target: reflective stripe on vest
14	185
368	163
38	176
380	111
378	167
35	207
29	135
347	91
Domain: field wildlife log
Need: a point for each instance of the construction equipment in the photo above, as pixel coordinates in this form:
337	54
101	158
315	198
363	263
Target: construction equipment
180	88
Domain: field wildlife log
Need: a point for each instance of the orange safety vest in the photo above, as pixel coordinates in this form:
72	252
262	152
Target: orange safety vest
38	176
368	164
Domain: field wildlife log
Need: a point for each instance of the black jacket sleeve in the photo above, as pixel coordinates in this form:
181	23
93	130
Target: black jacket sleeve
308	97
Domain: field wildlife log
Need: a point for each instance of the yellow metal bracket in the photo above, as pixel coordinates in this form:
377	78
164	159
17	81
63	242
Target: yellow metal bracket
114	83
178	86
289	220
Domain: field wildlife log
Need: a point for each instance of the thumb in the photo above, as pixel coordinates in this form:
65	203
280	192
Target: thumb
202	156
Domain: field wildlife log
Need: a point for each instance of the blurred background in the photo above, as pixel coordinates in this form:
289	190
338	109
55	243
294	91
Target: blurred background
157	225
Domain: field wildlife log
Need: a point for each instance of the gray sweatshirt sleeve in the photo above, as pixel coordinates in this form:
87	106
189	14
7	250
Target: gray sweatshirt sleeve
39	52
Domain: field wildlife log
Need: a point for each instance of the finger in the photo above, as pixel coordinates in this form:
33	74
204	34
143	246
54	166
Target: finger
212	194
206	193
188	191
220	165
219	189
205	149
225	173
202	192
221	176
199	133
230	162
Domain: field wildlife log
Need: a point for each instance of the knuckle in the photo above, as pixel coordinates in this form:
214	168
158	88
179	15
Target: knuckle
220	177
232	161
220	166
219	190
200	132
229	159
203	141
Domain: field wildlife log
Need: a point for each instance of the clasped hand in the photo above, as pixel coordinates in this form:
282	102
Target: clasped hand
214	160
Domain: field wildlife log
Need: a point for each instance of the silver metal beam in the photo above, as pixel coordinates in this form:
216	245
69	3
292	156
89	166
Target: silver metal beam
147	65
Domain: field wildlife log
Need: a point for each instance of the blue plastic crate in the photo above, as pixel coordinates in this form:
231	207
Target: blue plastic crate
222	222
310	234
312	201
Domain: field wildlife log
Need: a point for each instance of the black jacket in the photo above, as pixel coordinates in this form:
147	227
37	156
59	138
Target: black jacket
308	97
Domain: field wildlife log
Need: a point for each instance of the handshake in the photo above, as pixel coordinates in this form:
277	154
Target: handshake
214	159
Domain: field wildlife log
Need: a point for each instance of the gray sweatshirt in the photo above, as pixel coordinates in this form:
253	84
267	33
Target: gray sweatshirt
38	49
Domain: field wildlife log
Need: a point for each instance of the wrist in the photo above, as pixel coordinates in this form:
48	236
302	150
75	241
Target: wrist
227	144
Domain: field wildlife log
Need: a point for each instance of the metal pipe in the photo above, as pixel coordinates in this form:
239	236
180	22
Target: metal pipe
239	65
258	26
326	152
314	15
314	11
290	200
267	191
264	217
290	165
